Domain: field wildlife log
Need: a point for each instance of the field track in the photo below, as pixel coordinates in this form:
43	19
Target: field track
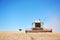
21	35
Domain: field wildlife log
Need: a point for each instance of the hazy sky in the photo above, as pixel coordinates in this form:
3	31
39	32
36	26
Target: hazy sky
16	14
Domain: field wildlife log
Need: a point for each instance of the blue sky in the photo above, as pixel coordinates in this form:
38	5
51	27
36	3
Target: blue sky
16	14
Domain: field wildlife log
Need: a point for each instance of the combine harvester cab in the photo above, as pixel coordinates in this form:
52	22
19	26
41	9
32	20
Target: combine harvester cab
37	26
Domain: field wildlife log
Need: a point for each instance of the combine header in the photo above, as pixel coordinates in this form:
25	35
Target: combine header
37	26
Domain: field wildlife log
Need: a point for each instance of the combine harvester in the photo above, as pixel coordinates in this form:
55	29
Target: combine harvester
37	26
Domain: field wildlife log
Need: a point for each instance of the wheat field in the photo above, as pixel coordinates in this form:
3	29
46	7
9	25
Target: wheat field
21	35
